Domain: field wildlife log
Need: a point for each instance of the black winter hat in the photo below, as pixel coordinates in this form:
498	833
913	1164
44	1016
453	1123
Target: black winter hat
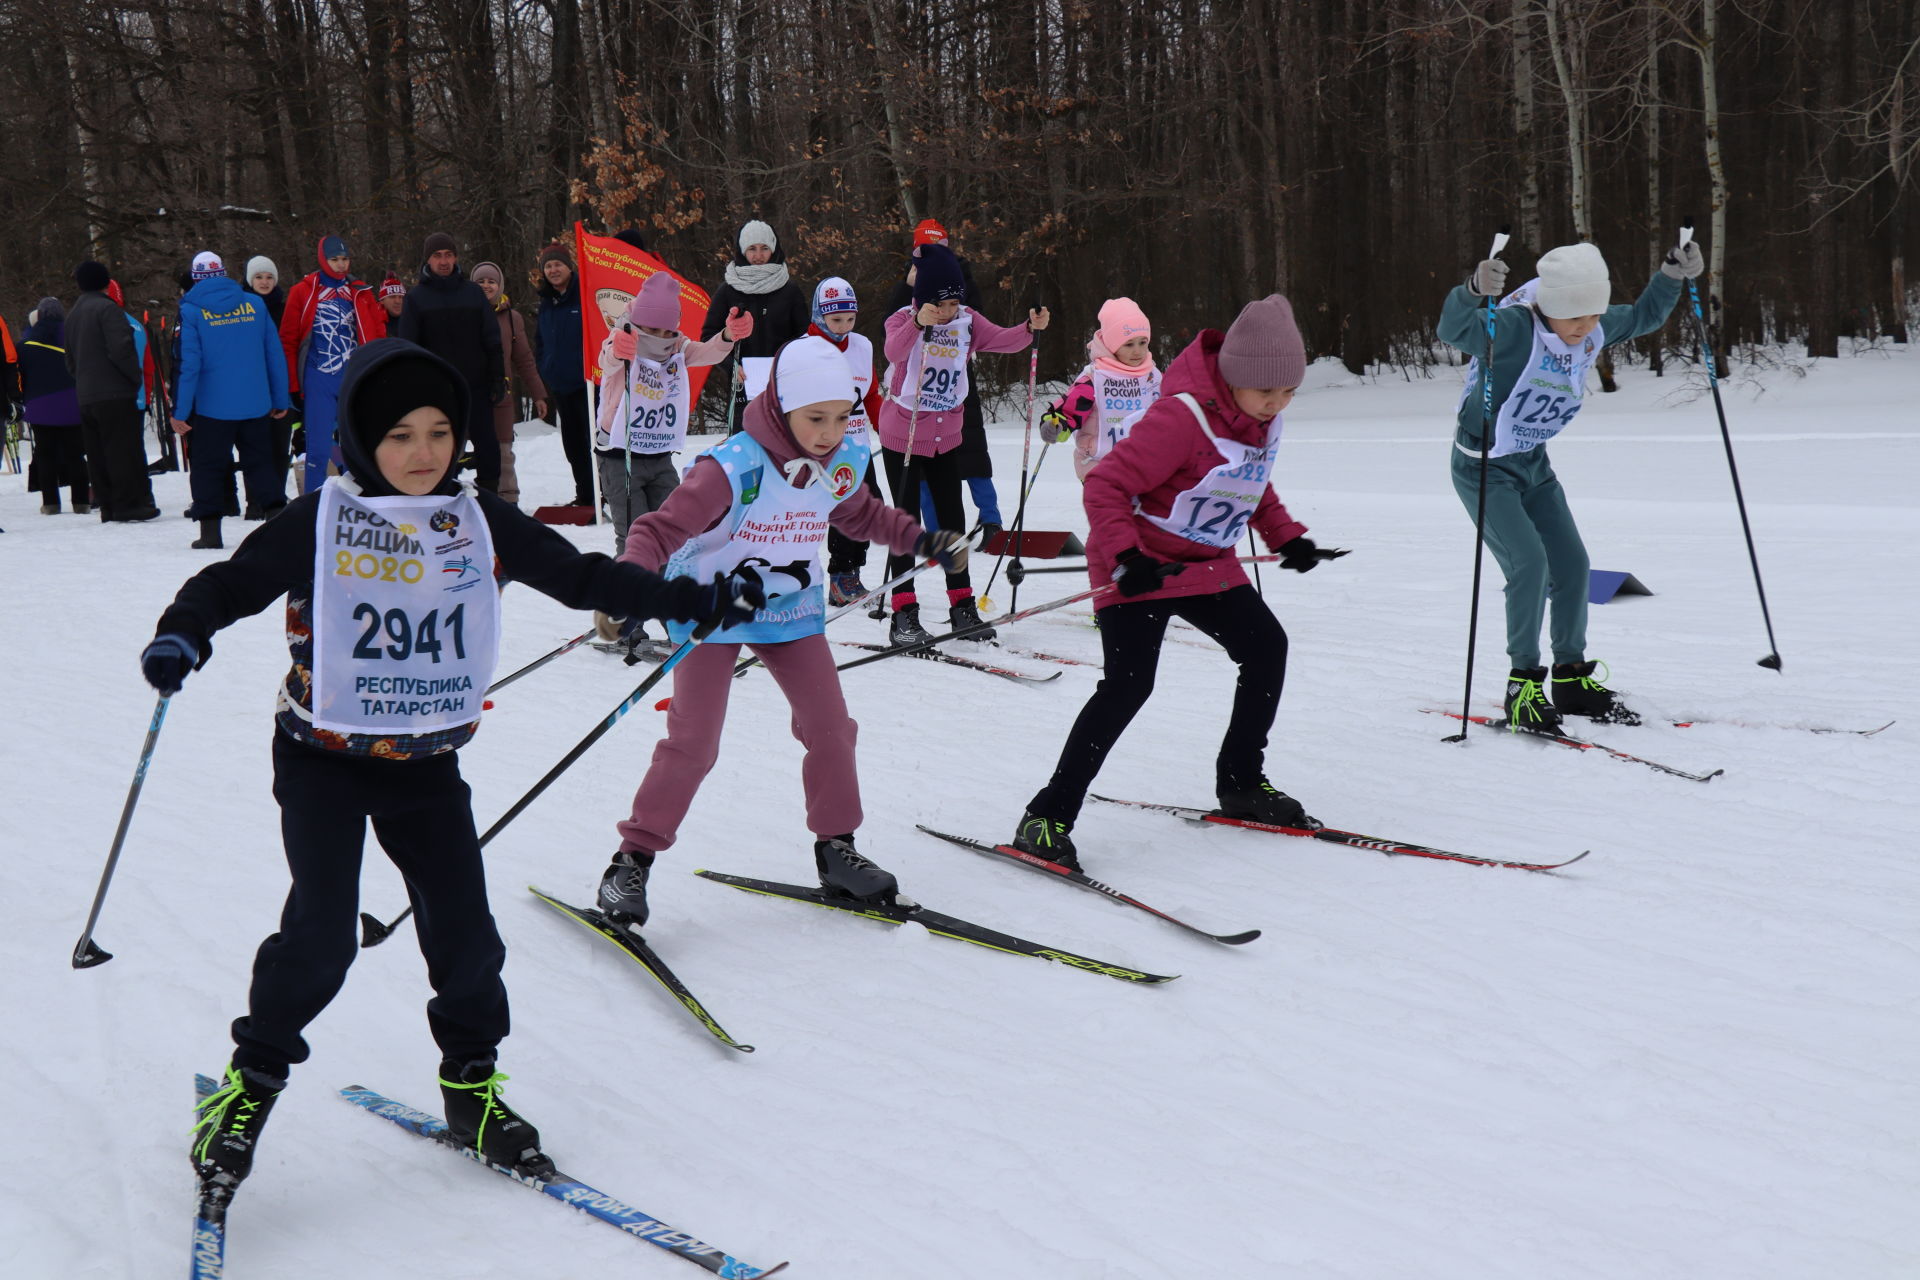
92	276
385	380
633	237
937	277
435	243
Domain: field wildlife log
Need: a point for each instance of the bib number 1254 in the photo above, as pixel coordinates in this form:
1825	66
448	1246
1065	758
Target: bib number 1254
404	638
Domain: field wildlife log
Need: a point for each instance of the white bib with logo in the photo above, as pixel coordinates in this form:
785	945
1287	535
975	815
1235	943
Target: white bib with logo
1120	400
655	405
406	615
1547	395
941	366
1215	511
859	355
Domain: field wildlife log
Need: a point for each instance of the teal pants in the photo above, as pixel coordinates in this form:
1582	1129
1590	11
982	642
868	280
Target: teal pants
1537	546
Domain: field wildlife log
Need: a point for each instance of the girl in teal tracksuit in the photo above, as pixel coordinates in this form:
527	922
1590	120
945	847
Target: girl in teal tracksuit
1546	336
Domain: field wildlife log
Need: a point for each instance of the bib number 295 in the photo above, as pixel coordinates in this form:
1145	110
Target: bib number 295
404	638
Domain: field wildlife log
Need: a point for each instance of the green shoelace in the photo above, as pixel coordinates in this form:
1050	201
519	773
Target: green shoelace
230	1107
489	1099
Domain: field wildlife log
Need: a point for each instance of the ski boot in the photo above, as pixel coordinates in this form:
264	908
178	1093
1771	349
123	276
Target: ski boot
229	1124
1528	710
964	613
1577	693
209	539
905	629
1265	803
623	889
843	870
477	1118
1045	838
845	588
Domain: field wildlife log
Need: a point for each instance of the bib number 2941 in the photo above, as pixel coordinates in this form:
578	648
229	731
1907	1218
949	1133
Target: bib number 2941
404	638
1209	515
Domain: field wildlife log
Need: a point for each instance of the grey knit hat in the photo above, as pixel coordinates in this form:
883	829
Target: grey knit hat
1263	348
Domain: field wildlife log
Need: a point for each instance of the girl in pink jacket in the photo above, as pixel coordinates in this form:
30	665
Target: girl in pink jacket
758	505
1114	391
1167	507
928	347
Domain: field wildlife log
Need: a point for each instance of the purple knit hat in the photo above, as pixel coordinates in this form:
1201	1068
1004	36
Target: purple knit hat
1263	348
657	305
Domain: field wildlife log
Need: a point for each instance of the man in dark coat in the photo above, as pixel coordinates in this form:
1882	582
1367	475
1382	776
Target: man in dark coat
449	316
104	354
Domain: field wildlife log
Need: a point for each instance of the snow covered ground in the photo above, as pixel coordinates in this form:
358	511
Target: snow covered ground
1692	1055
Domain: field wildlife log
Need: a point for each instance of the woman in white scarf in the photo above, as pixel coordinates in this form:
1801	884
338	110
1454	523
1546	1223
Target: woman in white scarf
757	284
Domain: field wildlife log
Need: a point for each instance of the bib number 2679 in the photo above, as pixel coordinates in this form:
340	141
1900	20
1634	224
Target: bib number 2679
404	638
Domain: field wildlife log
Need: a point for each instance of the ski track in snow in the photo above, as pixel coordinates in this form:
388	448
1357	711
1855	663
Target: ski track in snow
1691	1054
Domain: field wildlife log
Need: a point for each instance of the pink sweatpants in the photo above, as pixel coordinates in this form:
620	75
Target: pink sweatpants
701	684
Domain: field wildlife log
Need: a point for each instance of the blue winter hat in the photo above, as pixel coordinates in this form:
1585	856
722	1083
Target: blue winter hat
832	295
937	276
333	247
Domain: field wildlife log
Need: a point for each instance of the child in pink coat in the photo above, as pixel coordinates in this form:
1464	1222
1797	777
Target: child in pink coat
759	505
1167	508
928	347
1118	386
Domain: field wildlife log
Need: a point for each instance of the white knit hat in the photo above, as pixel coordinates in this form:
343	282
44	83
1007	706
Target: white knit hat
260	262
758	232
207	265
810	370
1573	282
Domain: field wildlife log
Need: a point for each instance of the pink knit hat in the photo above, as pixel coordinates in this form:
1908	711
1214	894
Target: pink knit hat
1263	348
1121	321
657	305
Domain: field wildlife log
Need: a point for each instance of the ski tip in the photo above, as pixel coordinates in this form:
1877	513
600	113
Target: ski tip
1237	939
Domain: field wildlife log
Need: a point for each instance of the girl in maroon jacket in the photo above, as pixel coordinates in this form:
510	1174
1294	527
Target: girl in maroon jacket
1167	507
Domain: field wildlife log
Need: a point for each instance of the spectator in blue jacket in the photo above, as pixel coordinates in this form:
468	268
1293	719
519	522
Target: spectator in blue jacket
562	366
232	379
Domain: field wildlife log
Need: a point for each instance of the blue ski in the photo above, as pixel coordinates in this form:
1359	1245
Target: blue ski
210	1212
568	1191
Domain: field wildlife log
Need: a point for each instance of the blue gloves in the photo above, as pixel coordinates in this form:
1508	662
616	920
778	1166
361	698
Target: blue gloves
166	662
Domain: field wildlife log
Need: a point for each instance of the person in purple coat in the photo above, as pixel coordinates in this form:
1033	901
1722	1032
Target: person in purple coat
1167	508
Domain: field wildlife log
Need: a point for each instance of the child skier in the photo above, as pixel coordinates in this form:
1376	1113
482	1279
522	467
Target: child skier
327	315
760	504
645	424
929	344
1166	507
1118	386
390	576
1556	327
836	309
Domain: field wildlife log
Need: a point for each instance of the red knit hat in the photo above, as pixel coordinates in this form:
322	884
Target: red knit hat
929	232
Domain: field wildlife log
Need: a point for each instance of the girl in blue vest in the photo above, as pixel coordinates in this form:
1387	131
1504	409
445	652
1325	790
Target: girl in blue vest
1546	337
391	573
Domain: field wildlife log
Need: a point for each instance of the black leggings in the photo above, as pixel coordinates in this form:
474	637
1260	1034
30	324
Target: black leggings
576	439
942	475
423	819
1130	635
60	458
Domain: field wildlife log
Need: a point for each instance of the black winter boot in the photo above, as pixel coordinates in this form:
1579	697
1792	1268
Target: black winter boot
1577	693
209	539
1045	838
477	1118
1264	803
905	629
844	870
229	1124
623	889
962	614
1527	708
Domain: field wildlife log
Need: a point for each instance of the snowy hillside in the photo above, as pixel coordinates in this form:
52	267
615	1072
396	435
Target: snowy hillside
1691	1055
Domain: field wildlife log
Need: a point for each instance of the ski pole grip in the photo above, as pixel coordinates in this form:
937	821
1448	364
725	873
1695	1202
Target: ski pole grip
1686	232
1500	239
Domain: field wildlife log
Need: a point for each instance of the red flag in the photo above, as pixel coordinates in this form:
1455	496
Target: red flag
611	272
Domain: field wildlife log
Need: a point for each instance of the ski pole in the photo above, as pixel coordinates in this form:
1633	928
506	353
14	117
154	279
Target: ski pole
1026	452
1480	514
1772	660
986	601
374	932
908	484
87	952
537	663
1006	620
1322	553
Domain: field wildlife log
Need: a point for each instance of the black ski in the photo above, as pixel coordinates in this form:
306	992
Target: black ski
907	912
643	955
1351	839
1046	867
936	655
1578	744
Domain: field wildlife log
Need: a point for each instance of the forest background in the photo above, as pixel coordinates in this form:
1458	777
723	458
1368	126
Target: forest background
1356	156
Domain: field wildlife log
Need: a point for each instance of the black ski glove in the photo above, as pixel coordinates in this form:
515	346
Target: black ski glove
945	546
1300	555
1136	573
729	601
166	662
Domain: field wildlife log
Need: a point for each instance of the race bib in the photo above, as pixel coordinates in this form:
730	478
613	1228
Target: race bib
1546	397
656	404
1121	401
1215	510
937	370
406	615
